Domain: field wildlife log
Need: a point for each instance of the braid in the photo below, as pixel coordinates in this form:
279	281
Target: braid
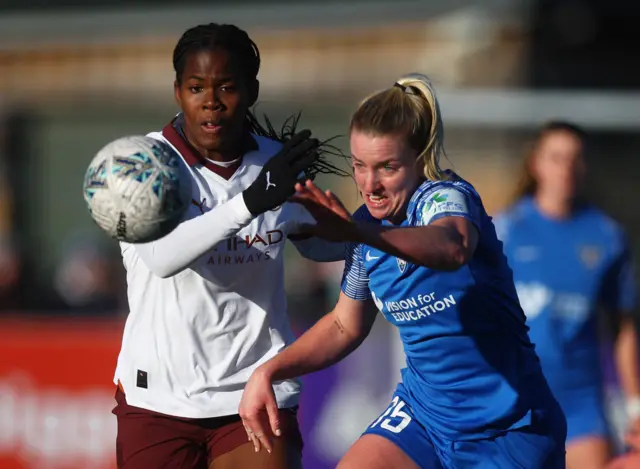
211	36
238	44
326	150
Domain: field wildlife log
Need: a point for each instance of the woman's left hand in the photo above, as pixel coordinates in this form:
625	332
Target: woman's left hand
259	411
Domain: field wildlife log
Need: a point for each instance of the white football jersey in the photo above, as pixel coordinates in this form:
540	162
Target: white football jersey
192	339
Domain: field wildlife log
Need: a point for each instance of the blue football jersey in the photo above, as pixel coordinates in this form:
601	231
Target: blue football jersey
471	369
564	270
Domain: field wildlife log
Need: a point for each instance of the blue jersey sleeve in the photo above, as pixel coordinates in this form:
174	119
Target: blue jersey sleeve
619	292
448	200
355	280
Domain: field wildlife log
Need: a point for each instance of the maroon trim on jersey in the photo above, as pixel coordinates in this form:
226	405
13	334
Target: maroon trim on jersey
193	157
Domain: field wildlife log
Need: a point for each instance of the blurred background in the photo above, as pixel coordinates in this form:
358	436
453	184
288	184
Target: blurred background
77	75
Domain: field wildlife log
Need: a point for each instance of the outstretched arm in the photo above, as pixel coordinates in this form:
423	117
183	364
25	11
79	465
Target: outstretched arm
446	241
445	244
193	238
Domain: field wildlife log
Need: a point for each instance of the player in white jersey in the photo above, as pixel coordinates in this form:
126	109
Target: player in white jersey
207	302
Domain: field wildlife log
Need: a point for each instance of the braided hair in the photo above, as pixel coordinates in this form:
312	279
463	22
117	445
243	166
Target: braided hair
245	52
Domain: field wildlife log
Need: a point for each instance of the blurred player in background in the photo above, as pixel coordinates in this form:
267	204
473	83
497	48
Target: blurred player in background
569	259
207	302
425	253
630	460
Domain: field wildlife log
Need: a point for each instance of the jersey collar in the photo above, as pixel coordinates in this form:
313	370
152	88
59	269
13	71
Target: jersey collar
173	133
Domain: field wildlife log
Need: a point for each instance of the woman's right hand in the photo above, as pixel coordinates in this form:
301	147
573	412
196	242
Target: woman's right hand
334	222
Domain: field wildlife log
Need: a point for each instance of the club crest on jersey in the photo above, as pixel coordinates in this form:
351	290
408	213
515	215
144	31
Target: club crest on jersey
590	256
402	264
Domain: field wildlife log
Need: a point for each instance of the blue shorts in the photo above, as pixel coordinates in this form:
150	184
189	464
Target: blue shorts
536	446
585	412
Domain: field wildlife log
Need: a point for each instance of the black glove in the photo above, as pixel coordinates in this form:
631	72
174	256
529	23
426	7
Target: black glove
275	183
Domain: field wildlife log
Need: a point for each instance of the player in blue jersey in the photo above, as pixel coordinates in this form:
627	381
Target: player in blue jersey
630	460
569	259
424	253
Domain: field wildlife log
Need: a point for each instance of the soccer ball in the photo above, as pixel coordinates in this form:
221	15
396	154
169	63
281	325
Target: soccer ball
136	189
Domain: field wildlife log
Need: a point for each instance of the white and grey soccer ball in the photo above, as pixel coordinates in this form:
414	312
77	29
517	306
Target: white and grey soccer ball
136	189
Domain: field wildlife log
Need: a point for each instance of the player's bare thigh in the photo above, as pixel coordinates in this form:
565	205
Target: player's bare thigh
285	455
590	452
376	452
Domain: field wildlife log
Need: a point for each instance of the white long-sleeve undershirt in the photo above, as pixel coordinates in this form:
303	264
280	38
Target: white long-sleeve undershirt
193	238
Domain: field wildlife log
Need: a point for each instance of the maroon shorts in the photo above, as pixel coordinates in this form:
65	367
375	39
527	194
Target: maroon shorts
151	440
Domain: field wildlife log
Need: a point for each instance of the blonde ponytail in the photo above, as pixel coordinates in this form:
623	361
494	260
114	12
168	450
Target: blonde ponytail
411	107
434	149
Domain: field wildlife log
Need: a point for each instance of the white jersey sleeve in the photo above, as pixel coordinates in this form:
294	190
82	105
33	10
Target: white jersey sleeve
311	247
193	238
